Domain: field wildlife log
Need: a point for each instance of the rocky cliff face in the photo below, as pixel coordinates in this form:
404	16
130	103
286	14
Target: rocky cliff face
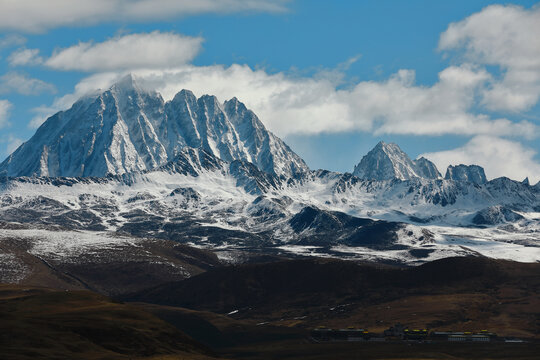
471	173
427	169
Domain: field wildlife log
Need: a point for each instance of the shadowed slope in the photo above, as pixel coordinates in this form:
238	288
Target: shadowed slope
453	292
47	324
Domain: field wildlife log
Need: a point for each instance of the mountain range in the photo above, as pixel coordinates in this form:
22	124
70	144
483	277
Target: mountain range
122	165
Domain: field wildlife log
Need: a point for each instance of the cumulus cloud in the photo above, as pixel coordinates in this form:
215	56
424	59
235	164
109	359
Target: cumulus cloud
5	107
499	157
507	37
39	15
24	56
398	106
22	84
150	50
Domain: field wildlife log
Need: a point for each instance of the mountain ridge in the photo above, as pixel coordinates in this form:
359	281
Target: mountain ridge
127	128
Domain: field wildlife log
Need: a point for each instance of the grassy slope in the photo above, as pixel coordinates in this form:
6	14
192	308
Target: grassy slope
39	323
450	294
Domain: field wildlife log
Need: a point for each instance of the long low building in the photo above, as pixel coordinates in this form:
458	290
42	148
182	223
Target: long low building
482	336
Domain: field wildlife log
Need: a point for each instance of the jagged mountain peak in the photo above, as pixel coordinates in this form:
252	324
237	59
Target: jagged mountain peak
210	99
427	169
391	149
184	94
386	161
384	145
234	105
127	128
233	100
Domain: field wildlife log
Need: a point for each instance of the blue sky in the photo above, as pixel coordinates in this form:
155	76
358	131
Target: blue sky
458	81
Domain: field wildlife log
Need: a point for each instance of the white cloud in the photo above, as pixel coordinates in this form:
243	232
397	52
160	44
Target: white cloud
398	106
150	50
39	15
11	40
22	84
507	37
5	107
499	157
22	57
159	9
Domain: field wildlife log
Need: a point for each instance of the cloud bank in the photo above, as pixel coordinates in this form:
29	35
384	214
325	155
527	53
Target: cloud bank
312	105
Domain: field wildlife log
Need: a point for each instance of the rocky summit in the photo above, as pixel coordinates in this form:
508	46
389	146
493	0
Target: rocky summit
388	161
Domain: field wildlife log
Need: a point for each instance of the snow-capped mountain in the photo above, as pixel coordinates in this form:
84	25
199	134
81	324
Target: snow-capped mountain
127	128
388	161
198	172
